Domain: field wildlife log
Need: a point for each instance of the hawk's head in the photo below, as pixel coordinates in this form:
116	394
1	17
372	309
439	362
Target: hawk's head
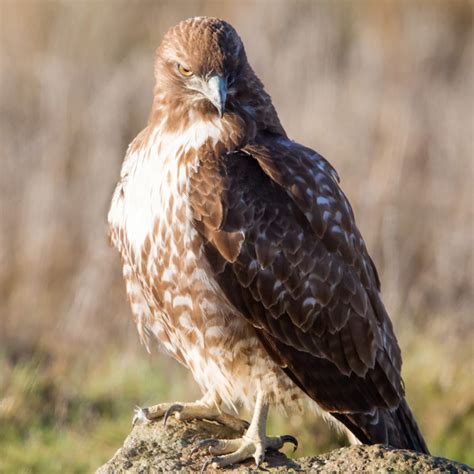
202	73
200	64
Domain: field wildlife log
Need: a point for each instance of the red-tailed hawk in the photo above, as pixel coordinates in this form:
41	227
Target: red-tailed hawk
241	255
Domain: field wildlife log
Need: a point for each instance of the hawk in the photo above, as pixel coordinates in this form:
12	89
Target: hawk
241	255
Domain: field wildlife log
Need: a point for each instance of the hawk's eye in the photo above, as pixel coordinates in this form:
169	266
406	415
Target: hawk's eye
184	71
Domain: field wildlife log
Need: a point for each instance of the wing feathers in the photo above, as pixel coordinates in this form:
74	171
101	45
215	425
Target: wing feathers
297	269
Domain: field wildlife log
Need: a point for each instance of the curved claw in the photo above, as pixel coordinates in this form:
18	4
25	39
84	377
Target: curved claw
290	439
259	460
175	408
204	444
140	416
206	465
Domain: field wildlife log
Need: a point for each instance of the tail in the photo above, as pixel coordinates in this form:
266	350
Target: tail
396	428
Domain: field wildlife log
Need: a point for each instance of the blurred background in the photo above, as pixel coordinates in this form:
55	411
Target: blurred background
383	89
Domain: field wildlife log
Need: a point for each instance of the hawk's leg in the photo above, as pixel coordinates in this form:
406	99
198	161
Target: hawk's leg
208	408
253	443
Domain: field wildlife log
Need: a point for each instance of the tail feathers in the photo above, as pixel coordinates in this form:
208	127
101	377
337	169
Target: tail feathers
406	424
396	428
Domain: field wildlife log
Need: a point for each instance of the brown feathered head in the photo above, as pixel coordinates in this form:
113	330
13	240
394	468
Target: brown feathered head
202	71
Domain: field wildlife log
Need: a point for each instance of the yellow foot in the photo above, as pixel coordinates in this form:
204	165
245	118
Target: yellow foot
237	450
187	411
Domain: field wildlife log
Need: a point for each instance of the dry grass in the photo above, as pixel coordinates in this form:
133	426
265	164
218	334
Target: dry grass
384	89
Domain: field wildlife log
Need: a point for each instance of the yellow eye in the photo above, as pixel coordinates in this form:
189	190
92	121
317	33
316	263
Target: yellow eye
184	71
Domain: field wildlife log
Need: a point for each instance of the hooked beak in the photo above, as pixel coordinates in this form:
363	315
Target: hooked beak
216	92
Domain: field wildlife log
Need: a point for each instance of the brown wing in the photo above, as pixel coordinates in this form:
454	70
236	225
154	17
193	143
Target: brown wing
281	238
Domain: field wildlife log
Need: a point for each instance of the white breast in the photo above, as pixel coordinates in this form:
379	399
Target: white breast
151	174
218	345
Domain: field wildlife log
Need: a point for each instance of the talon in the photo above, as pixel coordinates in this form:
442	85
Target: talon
140	416
206	465
204	443
246	424
259	460
290	439
176	408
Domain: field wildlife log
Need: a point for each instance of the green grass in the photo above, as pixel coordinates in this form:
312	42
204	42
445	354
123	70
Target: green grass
72	418
72	424
438	373
55	422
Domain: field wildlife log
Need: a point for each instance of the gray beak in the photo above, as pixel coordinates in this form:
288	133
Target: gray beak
216	91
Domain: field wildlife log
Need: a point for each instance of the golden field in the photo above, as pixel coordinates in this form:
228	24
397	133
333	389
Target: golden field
383	89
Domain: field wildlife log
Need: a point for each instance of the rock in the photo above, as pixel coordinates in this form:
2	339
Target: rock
154	448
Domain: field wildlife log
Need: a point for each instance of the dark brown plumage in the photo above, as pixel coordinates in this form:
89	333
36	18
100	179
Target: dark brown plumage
288	254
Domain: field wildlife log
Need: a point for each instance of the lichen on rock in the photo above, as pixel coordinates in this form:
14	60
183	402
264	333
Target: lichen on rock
155	448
